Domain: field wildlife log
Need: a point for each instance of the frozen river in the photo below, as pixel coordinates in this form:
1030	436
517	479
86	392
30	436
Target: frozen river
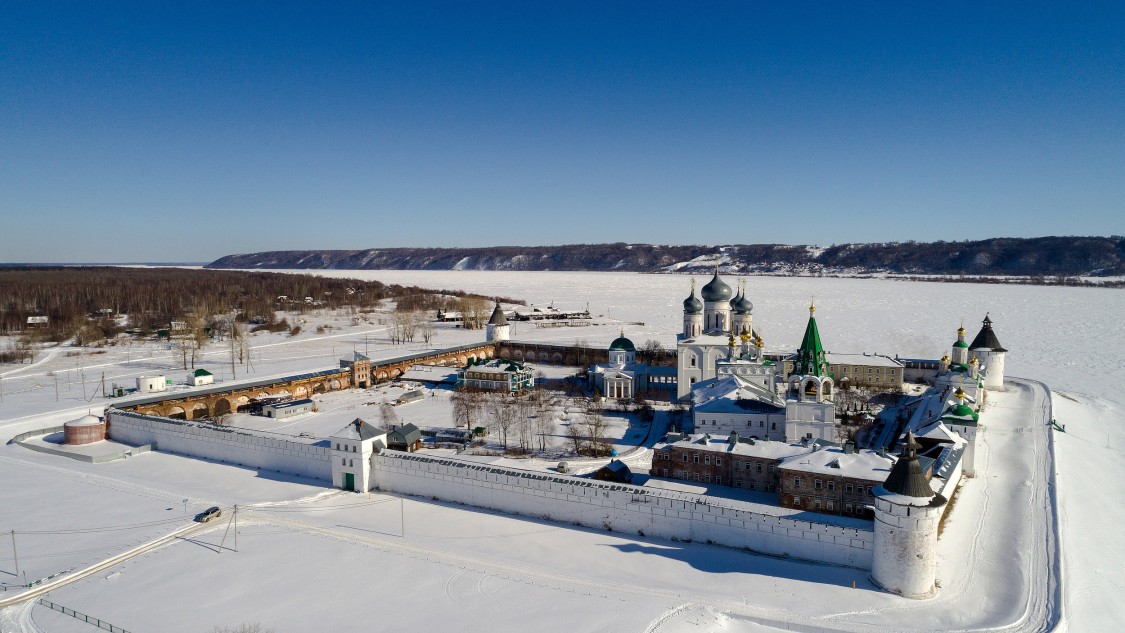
1070	338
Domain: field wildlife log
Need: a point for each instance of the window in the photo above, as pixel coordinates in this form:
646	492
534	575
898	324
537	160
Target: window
665	472
718	479
832	506
707	478
343	461
848	488
761	423
831	487
796	501
818	484
718	461
773	426
337	446
685	458
816	503
707	460
692	364
351	463
847	508
353	447
796	482
759	467
695	458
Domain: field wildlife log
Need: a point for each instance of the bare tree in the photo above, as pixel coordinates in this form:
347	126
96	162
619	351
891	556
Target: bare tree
464	408
501	415
574	434
524	423
426	329
596	428
544	422
387	415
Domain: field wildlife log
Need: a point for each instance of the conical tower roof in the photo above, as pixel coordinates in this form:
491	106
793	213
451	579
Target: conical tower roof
809	360
986	338
906	476
498	317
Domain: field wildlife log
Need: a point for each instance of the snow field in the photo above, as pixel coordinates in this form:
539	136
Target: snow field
994	556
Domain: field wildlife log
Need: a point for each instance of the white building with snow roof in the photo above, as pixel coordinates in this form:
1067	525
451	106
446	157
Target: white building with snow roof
352	447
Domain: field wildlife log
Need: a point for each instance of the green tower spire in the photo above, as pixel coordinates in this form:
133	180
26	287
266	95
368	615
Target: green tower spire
809	360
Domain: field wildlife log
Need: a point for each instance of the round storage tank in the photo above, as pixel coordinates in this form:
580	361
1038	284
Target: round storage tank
151	384
84	430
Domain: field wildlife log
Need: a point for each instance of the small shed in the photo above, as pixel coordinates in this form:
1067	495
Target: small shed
411	396
404	437
202	377
37	321
152	384
615	471
281	410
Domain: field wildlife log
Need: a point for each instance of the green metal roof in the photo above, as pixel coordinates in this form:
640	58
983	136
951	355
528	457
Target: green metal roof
960	344
809	360
622	343
960	413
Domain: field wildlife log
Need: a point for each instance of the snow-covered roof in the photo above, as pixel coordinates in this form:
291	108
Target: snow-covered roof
862	464
430	373
731	394
359	429
868	360
87	420
763	449
940	432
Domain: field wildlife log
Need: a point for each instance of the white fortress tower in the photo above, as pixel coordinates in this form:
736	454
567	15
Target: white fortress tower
497	329
907	512
693	315
989	353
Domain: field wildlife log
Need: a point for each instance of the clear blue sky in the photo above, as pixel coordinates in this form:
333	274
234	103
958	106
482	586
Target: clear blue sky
187	131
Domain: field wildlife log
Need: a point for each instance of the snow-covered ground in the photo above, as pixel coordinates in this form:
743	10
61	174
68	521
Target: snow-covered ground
305	562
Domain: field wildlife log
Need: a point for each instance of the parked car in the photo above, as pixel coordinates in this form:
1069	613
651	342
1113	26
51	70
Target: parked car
210	513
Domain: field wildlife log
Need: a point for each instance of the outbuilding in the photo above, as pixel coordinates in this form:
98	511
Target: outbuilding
202	377
152	384
288	409
85	430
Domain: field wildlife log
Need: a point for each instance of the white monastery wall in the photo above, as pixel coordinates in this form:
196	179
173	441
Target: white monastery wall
220	444
625	508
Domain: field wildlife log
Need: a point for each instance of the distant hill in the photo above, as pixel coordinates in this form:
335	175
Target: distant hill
1040	256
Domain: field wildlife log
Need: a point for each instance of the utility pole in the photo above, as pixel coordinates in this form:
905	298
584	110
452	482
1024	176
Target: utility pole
14	555
227	531
236	527
56	387
103	384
